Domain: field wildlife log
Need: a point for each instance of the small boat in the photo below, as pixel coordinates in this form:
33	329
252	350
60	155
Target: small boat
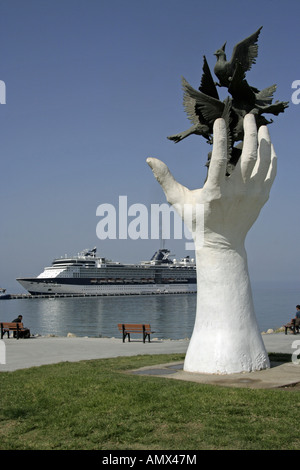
3	294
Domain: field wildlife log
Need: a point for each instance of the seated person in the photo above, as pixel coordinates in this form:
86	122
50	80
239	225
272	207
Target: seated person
294	324
24	333
297	318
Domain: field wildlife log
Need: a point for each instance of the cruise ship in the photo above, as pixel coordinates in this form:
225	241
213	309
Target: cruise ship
89	274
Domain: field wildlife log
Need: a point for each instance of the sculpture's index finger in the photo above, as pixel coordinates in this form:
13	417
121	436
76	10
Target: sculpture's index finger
218	163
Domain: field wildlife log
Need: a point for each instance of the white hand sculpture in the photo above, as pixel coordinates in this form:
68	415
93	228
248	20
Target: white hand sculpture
226	338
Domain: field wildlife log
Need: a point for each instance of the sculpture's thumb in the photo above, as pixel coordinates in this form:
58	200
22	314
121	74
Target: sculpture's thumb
173	190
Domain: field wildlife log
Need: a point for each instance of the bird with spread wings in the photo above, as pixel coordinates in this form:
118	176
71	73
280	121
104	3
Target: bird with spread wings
245	52
201	125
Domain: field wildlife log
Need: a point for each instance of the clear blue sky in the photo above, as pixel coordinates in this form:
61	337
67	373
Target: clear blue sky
94	87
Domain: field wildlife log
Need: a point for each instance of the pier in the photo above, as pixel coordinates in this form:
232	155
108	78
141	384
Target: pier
59	296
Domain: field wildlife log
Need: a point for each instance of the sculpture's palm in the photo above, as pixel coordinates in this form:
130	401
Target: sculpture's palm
231	205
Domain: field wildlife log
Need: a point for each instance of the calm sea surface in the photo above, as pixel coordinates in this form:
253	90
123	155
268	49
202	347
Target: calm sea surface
170	316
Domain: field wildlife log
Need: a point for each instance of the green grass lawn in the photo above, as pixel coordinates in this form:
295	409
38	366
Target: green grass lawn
98	405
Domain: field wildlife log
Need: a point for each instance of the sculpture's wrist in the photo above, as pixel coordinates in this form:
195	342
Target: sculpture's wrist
219	242
222	277
213	258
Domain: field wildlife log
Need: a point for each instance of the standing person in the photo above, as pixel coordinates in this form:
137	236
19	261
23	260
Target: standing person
25	333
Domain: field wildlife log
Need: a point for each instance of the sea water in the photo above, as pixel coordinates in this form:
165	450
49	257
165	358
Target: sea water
170	316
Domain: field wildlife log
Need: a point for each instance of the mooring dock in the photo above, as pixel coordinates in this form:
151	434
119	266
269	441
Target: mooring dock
58	296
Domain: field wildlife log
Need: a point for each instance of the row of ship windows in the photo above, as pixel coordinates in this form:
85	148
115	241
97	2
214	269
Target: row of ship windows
119	271
131	276
137	279
129	273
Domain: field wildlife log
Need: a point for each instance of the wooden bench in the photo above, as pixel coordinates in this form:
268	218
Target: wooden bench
294	325
127	328
12	326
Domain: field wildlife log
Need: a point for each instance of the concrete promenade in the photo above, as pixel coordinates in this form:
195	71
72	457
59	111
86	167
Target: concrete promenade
37	351
40	350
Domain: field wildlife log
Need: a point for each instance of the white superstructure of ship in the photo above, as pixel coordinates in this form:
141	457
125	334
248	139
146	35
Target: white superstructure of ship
87	273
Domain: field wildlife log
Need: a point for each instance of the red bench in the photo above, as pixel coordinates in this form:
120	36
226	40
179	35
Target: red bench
129	328
12	326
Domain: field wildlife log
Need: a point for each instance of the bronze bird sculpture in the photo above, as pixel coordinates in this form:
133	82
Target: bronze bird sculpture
247	99
245	52
200	124
204	110
203	106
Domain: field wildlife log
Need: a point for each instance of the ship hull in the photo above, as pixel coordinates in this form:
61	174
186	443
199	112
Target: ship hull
62	286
